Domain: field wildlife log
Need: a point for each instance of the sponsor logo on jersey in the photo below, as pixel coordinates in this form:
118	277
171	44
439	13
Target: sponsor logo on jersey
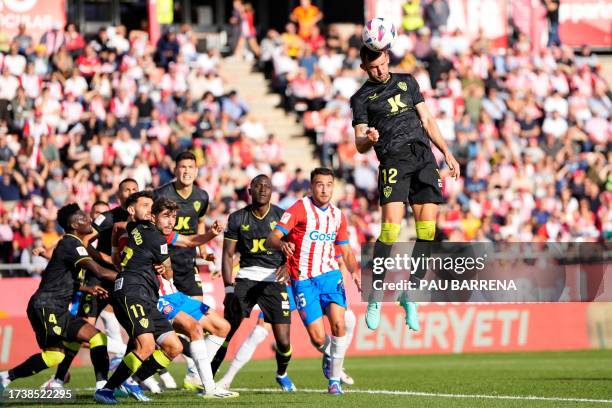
245	227
387	191
273	224
285	218
402	85
321	236
196	205
373	96
99	219
285	313
144	322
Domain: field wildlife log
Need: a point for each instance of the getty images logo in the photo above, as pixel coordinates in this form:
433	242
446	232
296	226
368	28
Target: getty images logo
320	236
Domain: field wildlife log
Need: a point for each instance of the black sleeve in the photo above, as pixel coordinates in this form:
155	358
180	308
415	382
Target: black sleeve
233	227
204	206
415	91
158	247
74	252
360	113
103	222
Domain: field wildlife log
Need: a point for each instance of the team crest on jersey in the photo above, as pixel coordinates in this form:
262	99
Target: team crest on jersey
144	322
387	191
273	224
57	330
245	227
86	308
196	205
402	85
284	295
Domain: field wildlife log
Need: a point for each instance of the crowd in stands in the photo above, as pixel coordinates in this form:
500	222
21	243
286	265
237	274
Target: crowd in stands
77	116
531	132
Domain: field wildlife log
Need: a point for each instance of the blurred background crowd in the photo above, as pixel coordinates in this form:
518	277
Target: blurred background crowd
531	130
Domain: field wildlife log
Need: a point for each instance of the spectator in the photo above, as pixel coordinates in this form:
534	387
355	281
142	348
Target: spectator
306	15
436	15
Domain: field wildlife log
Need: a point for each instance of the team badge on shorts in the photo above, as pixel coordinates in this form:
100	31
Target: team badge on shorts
196	205
402	85
144	322
387	191
167	309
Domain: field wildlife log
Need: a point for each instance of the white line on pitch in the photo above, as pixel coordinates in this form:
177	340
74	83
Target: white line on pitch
440	395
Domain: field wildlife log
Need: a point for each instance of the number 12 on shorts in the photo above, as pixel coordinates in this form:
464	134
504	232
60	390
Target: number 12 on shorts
389	175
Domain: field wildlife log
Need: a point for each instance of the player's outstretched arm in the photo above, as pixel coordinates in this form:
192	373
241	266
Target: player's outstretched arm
98	270
275	241
164	269
365	137
192	241
433	131
227	261
348	261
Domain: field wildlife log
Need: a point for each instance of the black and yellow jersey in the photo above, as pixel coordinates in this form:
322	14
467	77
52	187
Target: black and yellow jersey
390	108
63	275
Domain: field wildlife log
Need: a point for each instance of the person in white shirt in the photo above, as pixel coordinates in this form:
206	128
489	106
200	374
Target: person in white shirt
127	148
14	61
76	84
556	102
555	125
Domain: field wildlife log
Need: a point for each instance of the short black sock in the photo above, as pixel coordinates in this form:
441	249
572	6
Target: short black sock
64	366
31	366
99	359
283	356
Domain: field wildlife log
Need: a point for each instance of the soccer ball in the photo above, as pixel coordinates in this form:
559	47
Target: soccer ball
379	34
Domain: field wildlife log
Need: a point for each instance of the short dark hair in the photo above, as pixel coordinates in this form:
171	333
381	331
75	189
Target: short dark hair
321	171
368	55
259	176
100	202
127	180
164	203
186	155
65	214
133	198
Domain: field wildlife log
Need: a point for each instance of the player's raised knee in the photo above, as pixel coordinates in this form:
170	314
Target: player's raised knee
172	346
426	230
52	357
389	233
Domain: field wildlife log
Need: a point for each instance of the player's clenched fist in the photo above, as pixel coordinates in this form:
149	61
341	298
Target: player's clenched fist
372	134
288	248
217	228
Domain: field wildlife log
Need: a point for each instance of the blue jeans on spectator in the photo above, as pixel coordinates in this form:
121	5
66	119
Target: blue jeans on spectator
553	34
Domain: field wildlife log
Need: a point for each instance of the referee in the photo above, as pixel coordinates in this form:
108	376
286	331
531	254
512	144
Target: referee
390	115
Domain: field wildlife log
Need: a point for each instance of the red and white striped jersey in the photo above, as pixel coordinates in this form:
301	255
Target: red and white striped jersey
315	233
166	286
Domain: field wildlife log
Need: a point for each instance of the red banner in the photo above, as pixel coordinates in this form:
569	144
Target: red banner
445	328
586	22
38	16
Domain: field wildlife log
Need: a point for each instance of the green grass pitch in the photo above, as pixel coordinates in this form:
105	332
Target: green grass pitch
555	379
